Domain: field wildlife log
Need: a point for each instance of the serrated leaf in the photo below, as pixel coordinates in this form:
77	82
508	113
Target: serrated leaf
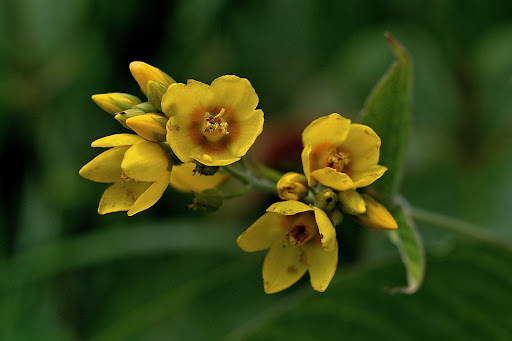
387	111
409	244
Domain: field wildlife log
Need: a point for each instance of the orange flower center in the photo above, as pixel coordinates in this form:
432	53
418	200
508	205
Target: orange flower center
337	159
303	229
214	127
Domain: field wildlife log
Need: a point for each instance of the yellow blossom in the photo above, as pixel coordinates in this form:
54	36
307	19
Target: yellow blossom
149	126
143	73
292	186
139	171
184	179
339	154
300	238
213	124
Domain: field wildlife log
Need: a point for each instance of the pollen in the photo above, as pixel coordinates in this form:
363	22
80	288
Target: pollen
338	159
214	127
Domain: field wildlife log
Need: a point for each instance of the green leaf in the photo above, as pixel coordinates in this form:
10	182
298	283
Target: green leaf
465	297
410	246
387	111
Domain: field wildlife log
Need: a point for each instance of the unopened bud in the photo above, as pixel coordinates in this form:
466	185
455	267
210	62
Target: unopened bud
207	201
205	170
143	73
376	216
147	107
336	216
156	91
326	199
351	202
292	186
115	102
149	126
124	115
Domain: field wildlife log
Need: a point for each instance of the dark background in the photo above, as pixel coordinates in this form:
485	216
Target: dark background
70	274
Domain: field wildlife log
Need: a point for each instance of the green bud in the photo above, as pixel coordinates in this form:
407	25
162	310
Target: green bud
336	216
326	199
351	202
156	91
147	107
207	201
205	170
124	115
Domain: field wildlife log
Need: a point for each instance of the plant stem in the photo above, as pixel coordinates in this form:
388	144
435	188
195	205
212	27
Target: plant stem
247	177
459	227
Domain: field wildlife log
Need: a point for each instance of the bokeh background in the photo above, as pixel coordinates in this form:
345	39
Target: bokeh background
169	274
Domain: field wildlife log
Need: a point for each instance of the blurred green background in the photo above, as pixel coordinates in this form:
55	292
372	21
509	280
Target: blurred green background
167	274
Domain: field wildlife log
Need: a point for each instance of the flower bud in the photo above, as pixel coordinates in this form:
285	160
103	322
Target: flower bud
336	216
143	73
326	199
149	126
115	102
147	107
351	202
376	216
156	91
292	186
207	201
124	115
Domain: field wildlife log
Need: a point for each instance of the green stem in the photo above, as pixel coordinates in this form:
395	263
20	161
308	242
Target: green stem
238	192
248	177
459	227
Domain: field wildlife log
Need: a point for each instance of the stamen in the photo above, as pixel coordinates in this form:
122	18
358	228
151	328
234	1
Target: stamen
214	128
337	159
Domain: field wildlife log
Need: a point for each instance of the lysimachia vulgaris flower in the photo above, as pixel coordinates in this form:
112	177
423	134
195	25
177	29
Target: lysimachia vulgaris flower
301	238
139	171
213	124
184	179
339	154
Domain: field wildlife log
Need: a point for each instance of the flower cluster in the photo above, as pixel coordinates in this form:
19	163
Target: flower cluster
185	133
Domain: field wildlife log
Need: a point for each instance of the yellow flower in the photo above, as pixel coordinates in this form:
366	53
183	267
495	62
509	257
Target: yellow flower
149	126
213	124
301	238
339	154
143	73
183	179
138	170
292	186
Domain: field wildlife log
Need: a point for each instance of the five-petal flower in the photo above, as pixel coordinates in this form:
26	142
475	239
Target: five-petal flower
301	238
339	154
213	124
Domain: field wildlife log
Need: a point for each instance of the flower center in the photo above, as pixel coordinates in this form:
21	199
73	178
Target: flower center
337	159
302	229
214	127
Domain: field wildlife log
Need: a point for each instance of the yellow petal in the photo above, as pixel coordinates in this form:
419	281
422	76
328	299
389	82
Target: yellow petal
151	195
331	178
263	233
181	138
284	265
207	158
322	264
121	196
117	140
183	179
246	134
363	144
235	94
332	129
306	163
105	167
289	207
145	161
326	230
367	176
149	126
182	99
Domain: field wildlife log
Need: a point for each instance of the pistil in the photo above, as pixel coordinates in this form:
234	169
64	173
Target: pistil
214	127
